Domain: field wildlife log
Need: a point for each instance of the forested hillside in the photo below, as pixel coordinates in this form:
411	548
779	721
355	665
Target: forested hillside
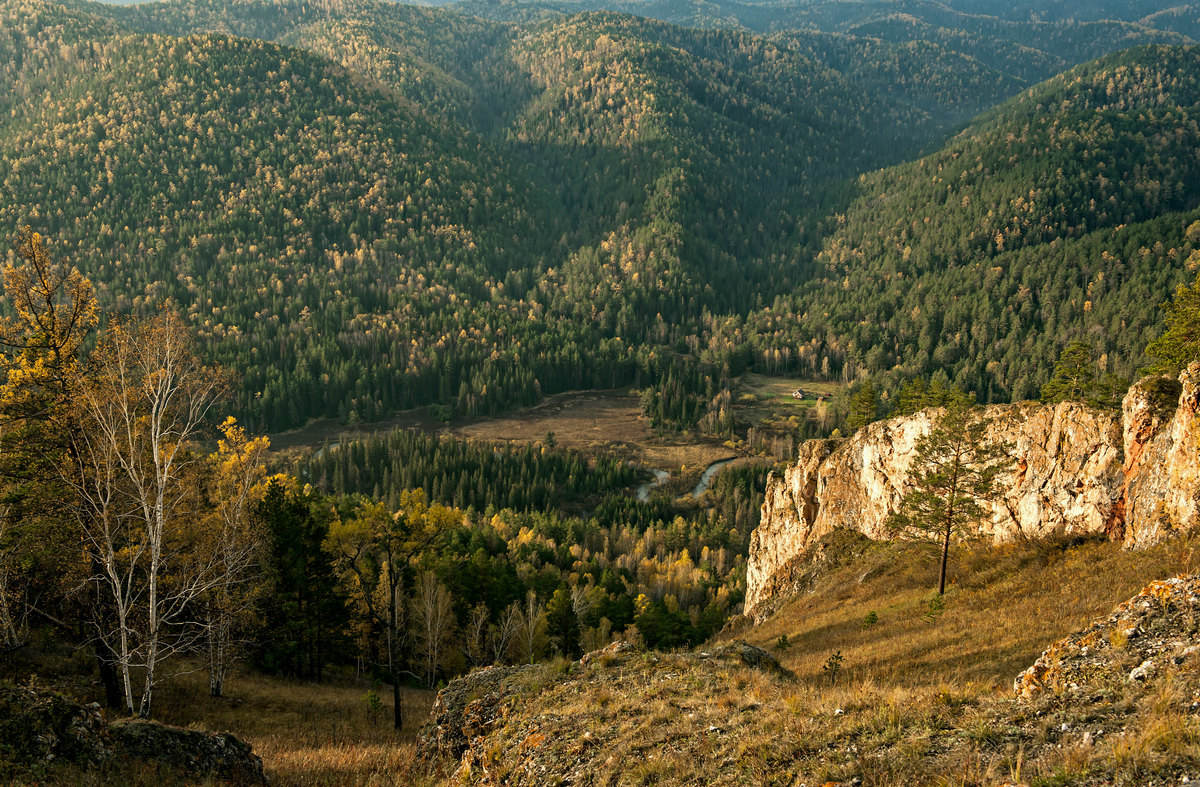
472	214
1050	219
1030	41
459	213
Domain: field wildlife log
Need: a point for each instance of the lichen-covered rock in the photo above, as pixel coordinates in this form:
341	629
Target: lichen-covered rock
207	755
751	656
606	717
606	654
469	706
1133	476
1152	630
40	729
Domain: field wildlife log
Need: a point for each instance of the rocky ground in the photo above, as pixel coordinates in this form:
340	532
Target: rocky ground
1114	704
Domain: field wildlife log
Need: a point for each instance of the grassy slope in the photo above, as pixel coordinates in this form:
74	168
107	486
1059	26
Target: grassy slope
1003	607
310	734
306	733
916	702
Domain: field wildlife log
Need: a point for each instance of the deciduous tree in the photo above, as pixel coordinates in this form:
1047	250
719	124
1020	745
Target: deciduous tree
52	316
143	400
433	615
373	551
238	544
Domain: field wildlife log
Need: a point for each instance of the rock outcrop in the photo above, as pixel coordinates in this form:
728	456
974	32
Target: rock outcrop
602	718
41	729
210	756
1162	458
1134	476
1152	632
469	707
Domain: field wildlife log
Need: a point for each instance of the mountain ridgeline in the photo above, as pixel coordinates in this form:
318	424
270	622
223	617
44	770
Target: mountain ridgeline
1031	41
373	207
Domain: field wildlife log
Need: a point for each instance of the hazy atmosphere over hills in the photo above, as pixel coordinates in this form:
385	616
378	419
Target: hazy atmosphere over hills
640	325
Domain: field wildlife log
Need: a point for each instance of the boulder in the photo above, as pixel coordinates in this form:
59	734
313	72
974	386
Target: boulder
751	656
40	729
468	708
206	755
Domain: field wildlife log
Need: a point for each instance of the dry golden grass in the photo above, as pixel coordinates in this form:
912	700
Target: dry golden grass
588	421
319	431
579	420
593	420
1003	607
307	733
770	388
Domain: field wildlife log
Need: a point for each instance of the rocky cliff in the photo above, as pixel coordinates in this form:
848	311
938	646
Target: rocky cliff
1134	476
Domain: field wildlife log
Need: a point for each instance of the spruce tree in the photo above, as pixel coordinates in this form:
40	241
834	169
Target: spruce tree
863	406
1074	375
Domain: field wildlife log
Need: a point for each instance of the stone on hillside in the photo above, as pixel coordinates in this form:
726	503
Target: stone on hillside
606	654
195	752
1130	646
468	708
39	728
751	656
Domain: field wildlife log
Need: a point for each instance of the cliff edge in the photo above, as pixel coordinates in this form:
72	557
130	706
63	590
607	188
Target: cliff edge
1133	476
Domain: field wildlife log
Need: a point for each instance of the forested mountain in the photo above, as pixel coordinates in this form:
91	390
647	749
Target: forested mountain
388	206
316	231
458	212
1061	215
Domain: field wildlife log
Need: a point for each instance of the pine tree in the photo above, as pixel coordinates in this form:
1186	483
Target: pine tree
863	406
953	473
1179	344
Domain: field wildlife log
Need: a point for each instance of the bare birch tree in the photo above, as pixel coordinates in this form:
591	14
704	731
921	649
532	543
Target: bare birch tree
475	635
532	632
142	400
433	613
503	633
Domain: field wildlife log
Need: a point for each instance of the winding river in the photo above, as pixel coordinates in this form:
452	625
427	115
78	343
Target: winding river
661	476
643	491
707	476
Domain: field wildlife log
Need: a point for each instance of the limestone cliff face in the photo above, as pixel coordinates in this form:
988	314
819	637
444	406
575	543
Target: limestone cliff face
1162	458
1133	476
